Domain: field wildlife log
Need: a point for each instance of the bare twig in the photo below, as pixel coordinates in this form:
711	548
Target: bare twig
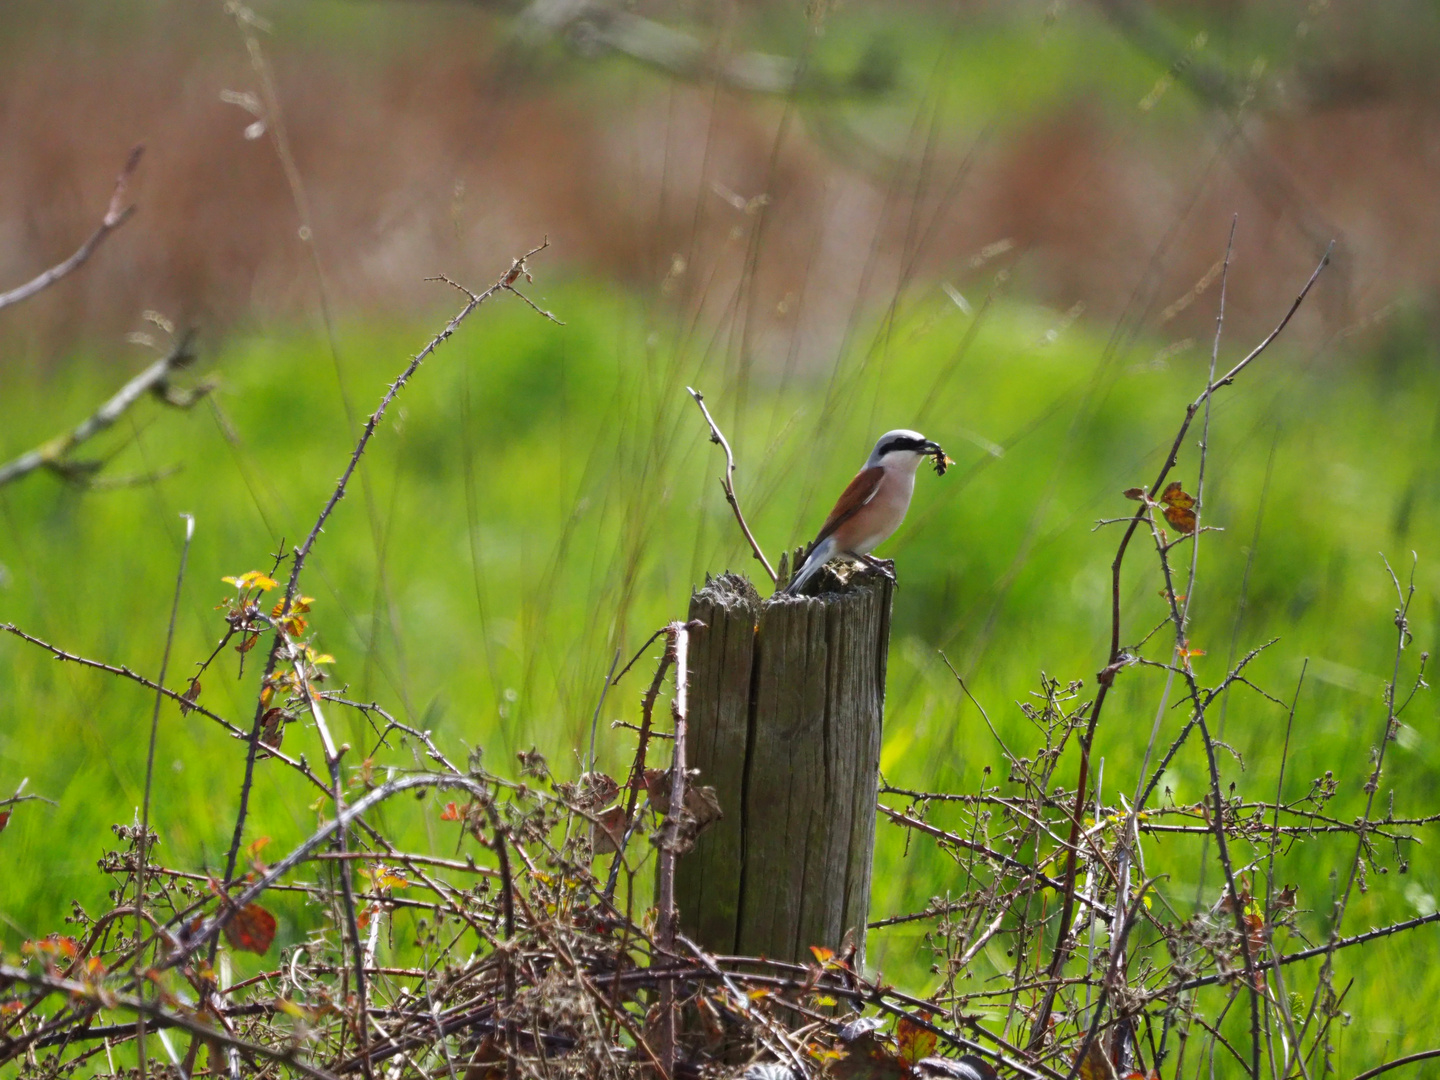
1114	972
1405	595
1318	950
116	214
124	672
343	819
347	887
142	851
728	483
595	720
86	992
640	652
1117	659
671	843
155	380
1408	1059
507	905
505	282
1254	353
637	771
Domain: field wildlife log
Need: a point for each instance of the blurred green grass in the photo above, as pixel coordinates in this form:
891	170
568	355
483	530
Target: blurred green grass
542	496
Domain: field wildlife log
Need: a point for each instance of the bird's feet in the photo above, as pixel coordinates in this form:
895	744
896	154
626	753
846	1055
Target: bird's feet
884	567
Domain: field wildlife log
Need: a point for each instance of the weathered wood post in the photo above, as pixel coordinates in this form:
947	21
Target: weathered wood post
786	702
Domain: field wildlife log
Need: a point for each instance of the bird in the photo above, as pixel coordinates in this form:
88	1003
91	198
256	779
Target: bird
872	507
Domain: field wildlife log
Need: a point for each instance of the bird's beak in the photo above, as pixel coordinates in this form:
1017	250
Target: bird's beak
931	447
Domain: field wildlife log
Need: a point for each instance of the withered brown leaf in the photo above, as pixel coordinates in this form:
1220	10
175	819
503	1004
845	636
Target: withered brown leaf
595	789
608	830
704	806
657	789
272	727
1179	507
189	697
251	929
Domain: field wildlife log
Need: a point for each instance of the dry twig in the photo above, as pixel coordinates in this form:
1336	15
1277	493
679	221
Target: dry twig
116	214
728	483
155	380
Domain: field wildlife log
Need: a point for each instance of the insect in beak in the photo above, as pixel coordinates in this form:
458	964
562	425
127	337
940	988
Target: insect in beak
942	460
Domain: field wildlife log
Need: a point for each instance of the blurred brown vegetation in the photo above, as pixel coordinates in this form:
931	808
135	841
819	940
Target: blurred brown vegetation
434	137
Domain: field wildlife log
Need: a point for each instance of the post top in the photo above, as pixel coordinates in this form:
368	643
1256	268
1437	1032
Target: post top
834	584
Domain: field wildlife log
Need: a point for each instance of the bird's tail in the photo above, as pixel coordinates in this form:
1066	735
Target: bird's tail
819	555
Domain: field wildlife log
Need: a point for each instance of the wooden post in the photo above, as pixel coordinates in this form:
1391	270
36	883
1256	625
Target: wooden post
786	703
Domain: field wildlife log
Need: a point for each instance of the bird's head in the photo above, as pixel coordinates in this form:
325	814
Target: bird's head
902	447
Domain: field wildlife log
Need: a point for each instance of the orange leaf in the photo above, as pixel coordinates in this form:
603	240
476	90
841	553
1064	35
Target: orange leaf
822	954
1094	1066
298	606
53	945
1174	495
383	877
1179	508
251	929
452	812
251	579
916	1042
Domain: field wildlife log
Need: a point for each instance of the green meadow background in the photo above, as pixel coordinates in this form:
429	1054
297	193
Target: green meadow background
543	496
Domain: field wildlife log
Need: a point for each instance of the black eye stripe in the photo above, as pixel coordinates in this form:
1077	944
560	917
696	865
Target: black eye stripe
903	442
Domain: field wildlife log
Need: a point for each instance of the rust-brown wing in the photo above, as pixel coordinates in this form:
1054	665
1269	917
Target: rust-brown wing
859	492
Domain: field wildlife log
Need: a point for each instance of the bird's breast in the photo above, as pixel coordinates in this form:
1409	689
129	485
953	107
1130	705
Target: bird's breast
882	515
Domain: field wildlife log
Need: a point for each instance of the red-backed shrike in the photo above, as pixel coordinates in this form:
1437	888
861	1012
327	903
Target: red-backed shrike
872	507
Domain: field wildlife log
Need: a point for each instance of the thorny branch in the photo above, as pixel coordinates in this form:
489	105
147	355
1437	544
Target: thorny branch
525	955
1118	658
545	932
728	483
518	268
672	844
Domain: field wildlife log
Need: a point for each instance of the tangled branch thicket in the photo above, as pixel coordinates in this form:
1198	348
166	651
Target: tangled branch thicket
535	951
